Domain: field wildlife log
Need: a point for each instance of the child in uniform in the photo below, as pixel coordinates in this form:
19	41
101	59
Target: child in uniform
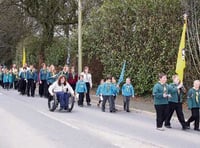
193	99
99	92
80	90
108	93
127	92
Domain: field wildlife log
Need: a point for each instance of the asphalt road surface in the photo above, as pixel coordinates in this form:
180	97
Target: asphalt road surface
26	122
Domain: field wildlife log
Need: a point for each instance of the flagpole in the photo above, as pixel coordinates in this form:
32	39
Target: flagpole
79	37
180	65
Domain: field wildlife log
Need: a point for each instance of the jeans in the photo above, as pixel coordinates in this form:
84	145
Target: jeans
63	99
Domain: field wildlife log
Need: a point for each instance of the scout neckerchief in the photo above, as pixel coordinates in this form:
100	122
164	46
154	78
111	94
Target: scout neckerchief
127	87
164	89
197	97
108	87
178	93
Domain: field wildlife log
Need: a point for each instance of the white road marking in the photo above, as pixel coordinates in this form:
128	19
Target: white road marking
61	121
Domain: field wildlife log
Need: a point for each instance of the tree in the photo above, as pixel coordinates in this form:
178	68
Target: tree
144	33
193	40
12	30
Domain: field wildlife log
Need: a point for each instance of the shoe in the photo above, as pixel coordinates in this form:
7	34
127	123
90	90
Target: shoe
184	128
187	125
98	104
103	110
66	108
124	106
168	126
160	128
60	109
88	104
197	130
128	110
80	105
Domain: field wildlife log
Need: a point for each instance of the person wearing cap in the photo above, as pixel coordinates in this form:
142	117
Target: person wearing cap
62	89
81	89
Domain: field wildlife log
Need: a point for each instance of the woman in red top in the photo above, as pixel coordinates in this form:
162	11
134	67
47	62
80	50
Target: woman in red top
73	78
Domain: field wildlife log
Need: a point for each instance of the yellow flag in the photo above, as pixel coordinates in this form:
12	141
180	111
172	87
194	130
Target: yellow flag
24	56
180	65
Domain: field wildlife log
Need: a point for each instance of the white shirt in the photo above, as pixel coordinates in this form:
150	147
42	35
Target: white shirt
87	78
62	88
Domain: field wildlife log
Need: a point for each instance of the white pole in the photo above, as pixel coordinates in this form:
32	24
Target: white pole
79	37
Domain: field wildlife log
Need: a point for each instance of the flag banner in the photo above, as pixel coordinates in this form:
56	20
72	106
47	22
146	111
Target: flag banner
180	65
121	78
24	57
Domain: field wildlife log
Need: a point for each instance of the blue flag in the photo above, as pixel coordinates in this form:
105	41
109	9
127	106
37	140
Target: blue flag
121	78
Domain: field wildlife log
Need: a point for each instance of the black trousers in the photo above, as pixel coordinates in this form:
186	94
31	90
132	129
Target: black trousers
179	112
6	85
161	114
126	102
48	94
88	92
194	117
80	98
31	86
1	83
111	103
73	86
43	89
16	84
22	86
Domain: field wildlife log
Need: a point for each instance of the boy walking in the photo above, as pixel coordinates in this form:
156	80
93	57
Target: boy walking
127	92
194	104
108	92
81	89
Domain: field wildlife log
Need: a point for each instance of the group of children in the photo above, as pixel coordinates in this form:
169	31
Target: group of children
108	90
25	79
169	98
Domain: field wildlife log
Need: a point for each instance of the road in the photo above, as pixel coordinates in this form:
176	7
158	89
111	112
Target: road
26	122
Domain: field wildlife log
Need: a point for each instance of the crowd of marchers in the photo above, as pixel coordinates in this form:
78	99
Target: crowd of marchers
167	97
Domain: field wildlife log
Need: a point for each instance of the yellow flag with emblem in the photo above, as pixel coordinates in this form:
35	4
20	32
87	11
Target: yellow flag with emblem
180	65
24	56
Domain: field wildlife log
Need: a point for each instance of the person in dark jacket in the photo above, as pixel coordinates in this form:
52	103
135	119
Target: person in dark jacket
161	95
73	78
176	89
43	89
